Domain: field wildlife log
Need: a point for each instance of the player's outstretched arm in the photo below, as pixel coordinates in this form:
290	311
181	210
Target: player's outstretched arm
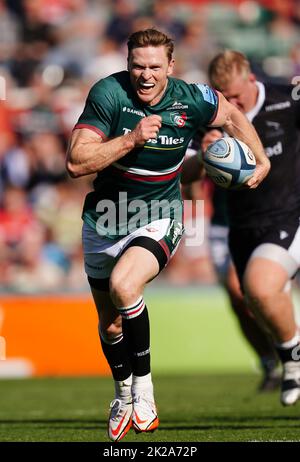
88	153
236	124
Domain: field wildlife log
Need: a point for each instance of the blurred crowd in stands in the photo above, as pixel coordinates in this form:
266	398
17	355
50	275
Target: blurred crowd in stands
51	52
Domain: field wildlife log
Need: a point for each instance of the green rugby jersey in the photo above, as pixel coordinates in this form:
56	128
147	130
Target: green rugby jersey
148	174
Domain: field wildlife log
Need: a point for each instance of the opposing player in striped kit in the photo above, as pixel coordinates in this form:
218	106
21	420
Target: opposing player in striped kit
133	132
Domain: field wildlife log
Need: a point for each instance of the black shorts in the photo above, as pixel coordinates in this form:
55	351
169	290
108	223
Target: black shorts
243	242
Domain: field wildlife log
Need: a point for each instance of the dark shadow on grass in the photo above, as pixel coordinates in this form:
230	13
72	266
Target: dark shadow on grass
227	427
52	421
203	424
237	419
177	428
209	421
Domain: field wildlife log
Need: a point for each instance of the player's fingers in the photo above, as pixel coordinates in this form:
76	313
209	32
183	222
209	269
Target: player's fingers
259	174
215	133
256	178
209	138
155	120
253	182
155	132
206	142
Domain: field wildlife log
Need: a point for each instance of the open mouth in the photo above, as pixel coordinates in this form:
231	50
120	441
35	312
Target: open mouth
145	87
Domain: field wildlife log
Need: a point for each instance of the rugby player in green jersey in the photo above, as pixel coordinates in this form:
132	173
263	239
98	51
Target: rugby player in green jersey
133	132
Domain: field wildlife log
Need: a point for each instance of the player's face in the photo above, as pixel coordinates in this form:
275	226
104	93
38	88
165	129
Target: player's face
242	91
149	68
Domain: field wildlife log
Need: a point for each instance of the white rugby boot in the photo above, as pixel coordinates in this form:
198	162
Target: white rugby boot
290	386
144	416
119	422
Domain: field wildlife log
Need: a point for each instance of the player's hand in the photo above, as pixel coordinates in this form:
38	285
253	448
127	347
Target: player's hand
210	137
261	171
147	128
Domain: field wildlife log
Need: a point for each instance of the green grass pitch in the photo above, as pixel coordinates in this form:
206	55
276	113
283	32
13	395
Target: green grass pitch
205	385
191	408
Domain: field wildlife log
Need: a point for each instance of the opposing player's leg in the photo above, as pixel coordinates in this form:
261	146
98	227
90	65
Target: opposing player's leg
258	337
136	267
260	341
266	277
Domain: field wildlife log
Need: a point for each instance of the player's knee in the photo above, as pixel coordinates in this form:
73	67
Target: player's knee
257	291
240	306
110	332
122	291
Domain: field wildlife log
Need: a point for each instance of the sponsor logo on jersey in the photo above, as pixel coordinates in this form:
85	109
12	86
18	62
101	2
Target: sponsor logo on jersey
208	94
130	110
275	150
175	231
295	91
273	129
275	125
166	140
178	118
177	105
278	106
162	139
283	234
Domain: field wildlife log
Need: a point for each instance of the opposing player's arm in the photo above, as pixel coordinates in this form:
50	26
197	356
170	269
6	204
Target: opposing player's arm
88	153
236	124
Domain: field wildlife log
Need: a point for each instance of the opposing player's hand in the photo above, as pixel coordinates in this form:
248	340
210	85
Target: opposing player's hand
261	171
210	137
147	128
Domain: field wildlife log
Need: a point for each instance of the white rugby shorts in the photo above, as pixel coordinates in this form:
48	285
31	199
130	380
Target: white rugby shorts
101	253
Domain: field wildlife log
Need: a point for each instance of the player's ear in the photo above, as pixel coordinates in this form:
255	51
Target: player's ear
171	67
252	77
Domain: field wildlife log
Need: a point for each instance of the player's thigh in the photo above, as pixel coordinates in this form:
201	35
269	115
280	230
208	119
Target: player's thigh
146	252
264	277
242	242
275	260
135	268
233	284
100	256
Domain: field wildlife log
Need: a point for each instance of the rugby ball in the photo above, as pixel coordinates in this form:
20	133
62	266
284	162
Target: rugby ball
229	162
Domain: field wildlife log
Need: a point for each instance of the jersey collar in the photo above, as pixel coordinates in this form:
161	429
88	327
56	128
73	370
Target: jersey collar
260	101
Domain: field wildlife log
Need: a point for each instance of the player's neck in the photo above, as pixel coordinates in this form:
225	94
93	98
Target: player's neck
159	97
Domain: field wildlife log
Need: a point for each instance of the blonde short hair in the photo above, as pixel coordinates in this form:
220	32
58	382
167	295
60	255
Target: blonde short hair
150	37
225	65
